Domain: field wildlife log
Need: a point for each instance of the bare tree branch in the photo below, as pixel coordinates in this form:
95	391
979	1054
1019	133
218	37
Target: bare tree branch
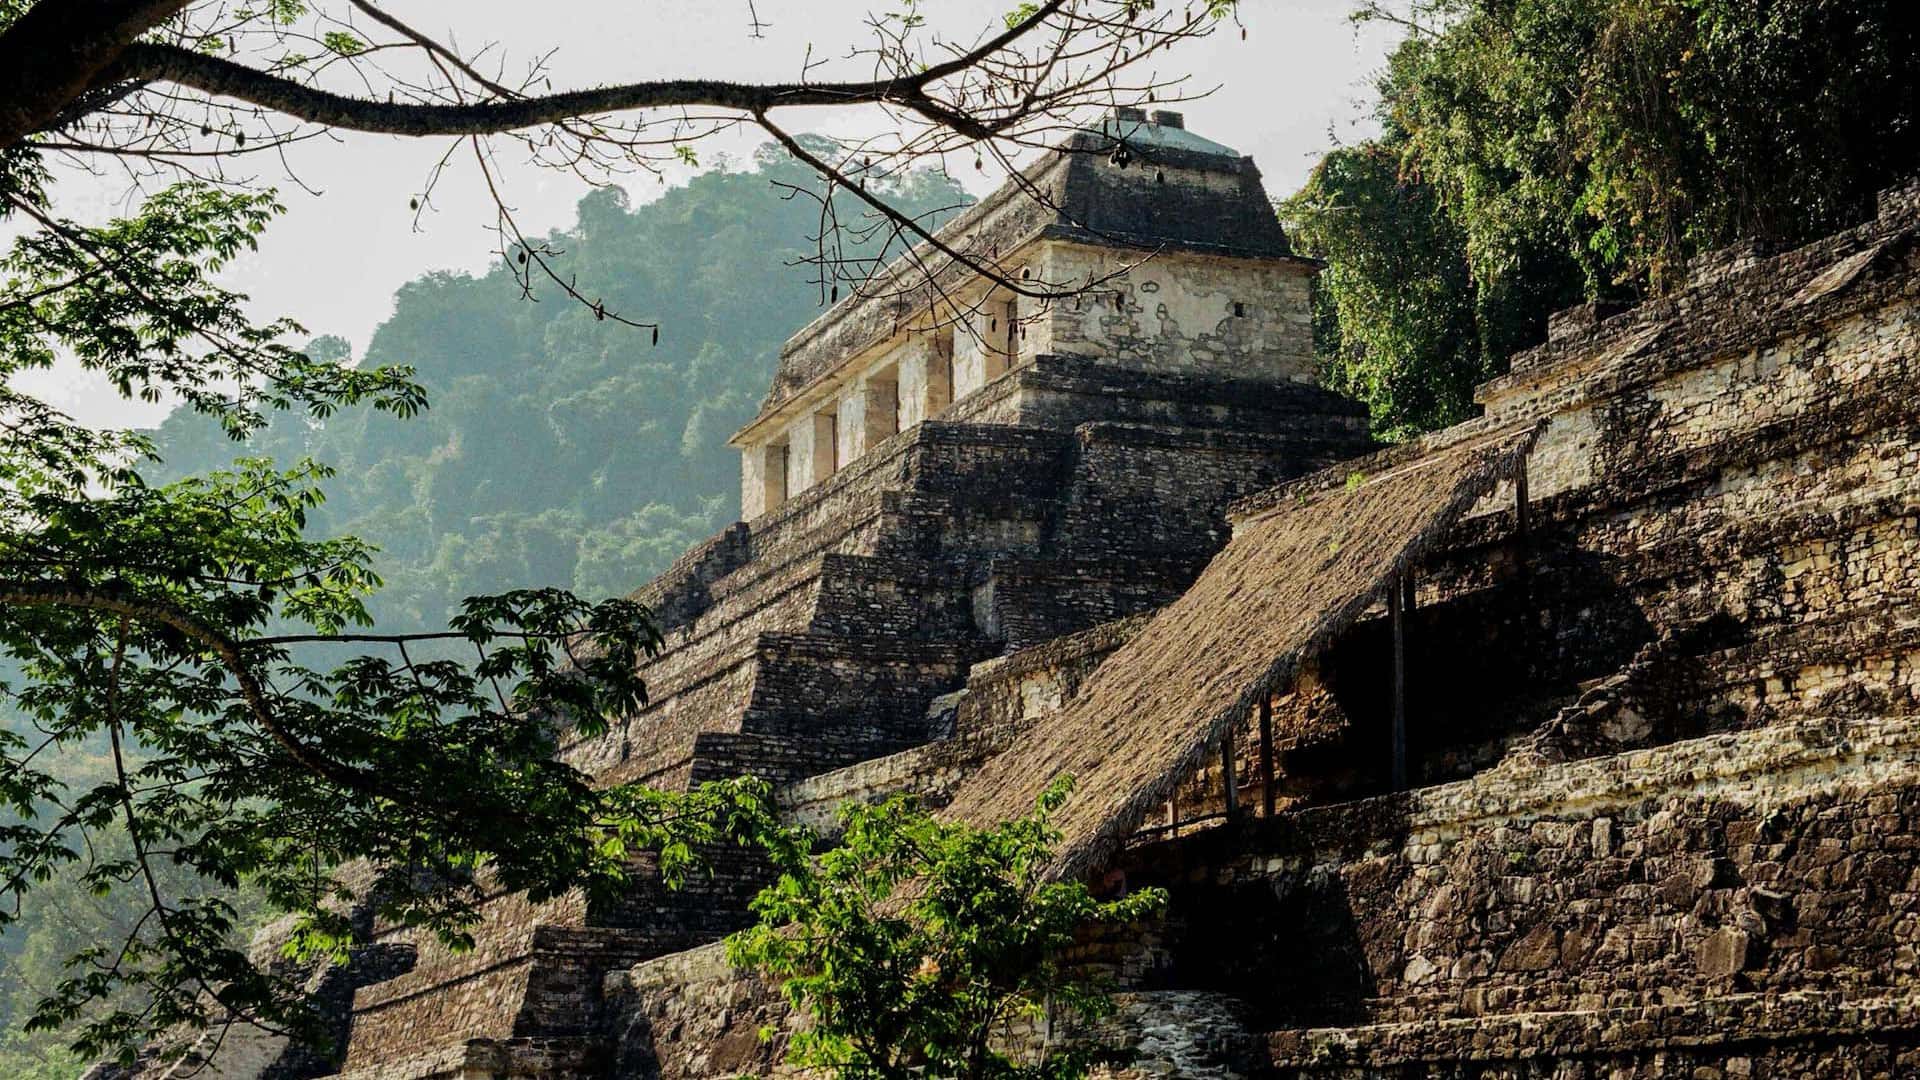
147	62
55	52
231	655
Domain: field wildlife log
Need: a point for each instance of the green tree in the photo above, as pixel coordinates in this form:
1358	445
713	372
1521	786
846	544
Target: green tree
1394	309
1638	133
915	940
1535	153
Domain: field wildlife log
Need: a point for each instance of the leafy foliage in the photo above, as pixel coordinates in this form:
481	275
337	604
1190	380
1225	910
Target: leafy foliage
915	940
1397	295
1539	152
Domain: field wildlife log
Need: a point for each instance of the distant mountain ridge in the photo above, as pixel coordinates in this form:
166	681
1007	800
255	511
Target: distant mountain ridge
559	449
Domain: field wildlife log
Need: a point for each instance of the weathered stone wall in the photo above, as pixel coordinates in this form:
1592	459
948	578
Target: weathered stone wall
448	995
692	1017
1002	696
1180	312
1723	529
491	1059
536	970
1060	392
1641	893
1025	602
1759	1036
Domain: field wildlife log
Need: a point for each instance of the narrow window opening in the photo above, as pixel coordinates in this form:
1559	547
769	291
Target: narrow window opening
826	446
949	389
1239	310
885	410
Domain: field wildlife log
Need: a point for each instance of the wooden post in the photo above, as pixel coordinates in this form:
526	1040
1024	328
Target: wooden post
1396	603
1520	522
1266	754
1522	526
1226	773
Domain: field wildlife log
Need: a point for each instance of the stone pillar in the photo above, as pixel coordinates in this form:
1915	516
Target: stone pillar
926	378
980	345
867	415
763	479
812	453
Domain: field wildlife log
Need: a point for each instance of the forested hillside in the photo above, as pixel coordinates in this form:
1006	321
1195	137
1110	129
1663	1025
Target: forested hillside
559	449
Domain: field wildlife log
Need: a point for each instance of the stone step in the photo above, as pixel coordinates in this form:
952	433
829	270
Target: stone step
512	1058
1678	1037
809	685
544	982
836	595
866	695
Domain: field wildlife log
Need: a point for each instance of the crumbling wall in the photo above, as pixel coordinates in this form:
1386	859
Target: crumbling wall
692	1017
1002	697
1181	312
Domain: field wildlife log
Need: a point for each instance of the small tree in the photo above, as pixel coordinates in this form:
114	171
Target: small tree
917	939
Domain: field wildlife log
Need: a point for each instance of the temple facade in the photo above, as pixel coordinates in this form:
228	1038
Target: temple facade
1165	266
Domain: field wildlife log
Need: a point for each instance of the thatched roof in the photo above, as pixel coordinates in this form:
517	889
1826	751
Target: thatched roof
1290	580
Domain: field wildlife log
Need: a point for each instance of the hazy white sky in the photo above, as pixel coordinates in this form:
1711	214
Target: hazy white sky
1297	83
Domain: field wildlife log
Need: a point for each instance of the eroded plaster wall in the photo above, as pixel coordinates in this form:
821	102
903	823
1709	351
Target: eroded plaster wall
1176	311
926	376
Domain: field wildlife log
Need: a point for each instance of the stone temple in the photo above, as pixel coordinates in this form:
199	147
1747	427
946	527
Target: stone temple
1576	741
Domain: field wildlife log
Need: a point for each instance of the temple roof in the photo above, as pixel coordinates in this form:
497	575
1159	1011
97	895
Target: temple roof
1132	182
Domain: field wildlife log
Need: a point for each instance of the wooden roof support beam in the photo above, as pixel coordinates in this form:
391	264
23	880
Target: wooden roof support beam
1396	610
1226	773
1266	754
